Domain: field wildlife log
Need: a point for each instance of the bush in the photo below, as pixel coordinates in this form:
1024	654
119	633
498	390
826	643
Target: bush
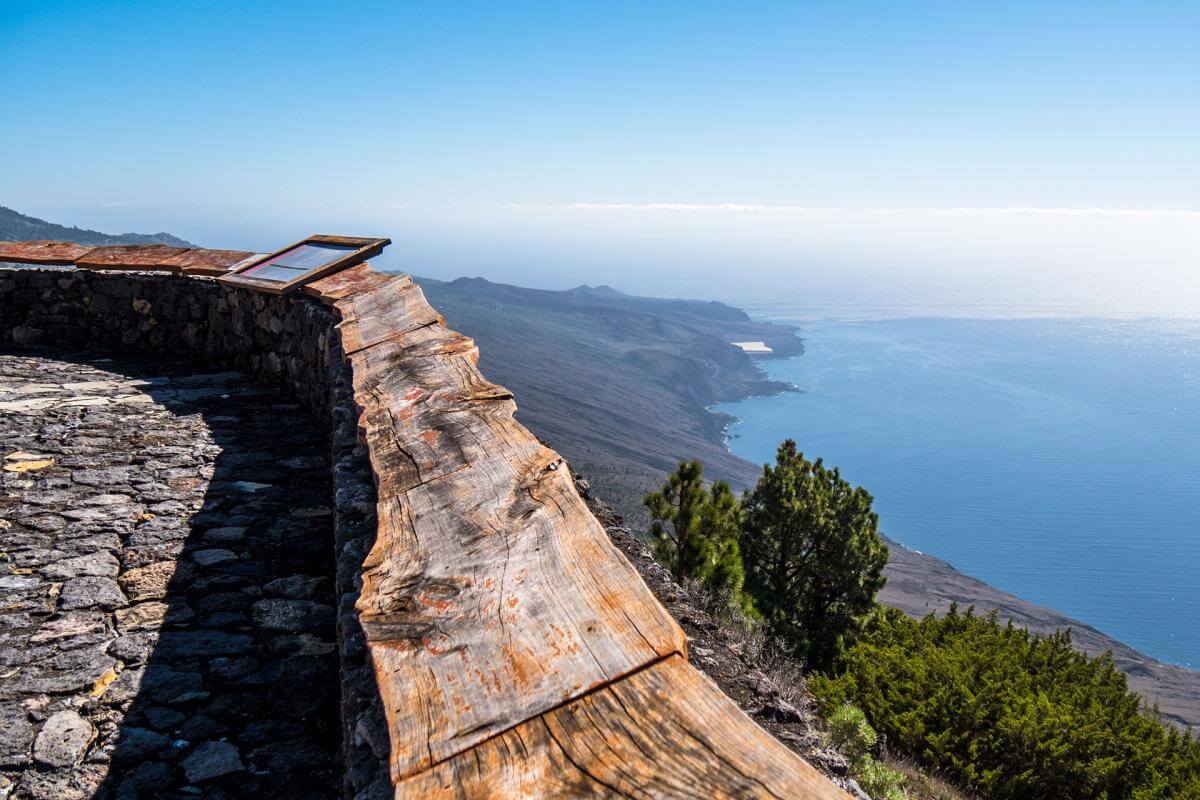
850	734
880	781
695	532
1010	715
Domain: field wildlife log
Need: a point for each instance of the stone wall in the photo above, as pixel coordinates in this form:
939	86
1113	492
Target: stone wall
282	339
493	641
288	340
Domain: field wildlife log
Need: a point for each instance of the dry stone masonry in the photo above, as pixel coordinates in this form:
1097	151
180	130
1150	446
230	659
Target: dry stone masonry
384	587
168	613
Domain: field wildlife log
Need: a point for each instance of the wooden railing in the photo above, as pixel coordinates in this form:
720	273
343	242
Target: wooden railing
518	654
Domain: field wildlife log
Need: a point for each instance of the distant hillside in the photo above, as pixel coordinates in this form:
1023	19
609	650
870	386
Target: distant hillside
17	227
620	385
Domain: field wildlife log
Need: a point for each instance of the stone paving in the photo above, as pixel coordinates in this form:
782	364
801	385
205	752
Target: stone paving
166	602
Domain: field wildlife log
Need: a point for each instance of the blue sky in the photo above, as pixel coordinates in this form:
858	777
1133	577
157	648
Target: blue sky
542	141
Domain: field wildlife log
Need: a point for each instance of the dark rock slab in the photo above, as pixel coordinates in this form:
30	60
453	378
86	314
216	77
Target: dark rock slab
212	760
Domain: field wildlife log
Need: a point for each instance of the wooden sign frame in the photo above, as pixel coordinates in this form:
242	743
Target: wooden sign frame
364	248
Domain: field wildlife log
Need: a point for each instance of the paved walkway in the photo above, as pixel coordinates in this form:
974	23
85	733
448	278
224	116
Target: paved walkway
166	610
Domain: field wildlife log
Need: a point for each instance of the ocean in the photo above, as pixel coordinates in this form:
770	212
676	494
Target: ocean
1055	459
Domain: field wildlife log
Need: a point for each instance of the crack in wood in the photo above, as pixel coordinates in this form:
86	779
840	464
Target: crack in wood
494	592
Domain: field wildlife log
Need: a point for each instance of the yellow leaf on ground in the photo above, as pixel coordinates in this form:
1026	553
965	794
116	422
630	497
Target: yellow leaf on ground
102	682
28	466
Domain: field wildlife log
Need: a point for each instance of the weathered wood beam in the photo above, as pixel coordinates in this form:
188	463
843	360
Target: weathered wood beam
42	252
202	261
140	257
149	257
663	732
492	593
517	652
390	310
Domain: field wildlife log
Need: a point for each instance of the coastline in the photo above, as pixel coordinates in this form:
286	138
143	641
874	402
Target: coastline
624	386
920	584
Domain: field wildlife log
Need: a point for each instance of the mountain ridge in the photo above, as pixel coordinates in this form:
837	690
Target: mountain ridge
15	226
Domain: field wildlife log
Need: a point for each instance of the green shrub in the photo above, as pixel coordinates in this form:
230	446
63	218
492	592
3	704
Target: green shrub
879	780
1010	715
695	533
850	733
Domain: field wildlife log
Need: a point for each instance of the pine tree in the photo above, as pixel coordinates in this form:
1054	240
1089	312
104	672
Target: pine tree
722	526
696	531
812	553
678	512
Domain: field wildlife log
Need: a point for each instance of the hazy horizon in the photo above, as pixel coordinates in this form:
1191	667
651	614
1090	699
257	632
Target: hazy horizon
990	263
1020	159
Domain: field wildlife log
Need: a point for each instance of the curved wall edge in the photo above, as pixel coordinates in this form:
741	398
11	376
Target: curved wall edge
494	642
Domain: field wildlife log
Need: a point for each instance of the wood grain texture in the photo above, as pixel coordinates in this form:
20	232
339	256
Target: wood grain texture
202	261
389	310
141	257
42	252
517	653
664	732
429	412
353	280
492	594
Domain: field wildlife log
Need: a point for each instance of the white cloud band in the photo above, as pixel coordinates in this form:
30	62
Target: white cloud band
749	208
